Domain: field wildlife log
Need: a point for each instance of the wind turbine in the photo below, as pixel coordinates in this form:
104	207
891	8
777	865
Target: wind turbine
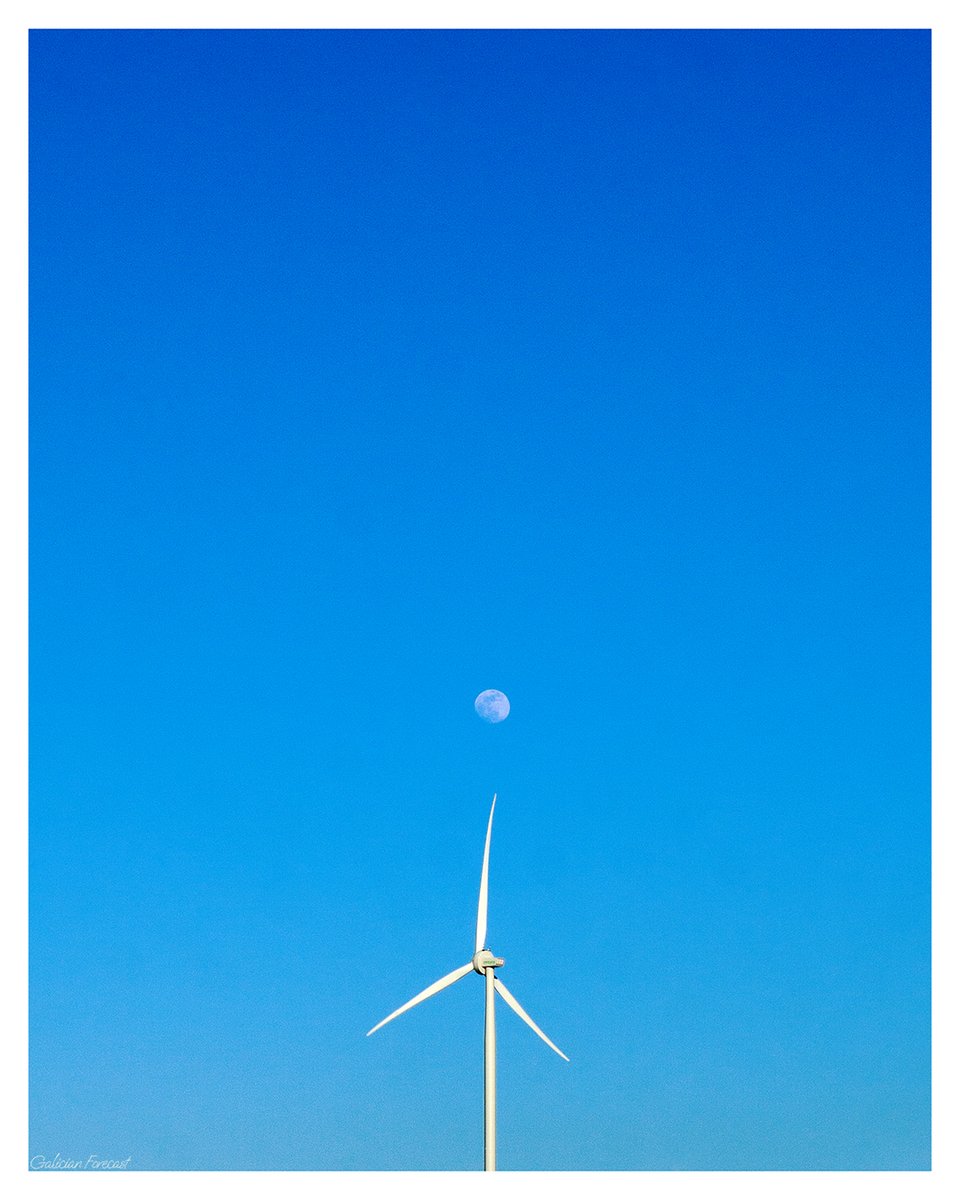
484	963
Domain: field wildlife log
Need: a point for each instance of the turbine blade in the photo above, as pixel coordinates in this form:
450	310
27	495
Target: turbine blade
482	906
426	993
515	1005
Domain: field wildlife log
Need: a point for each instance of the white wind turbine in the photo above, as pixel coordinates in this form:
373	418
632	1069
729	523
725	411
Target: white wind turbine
483	962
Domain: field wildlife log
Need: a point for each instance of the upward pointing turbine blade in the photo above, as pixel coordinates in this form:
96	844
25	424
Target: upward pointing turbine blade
482	906
515	1005
426	993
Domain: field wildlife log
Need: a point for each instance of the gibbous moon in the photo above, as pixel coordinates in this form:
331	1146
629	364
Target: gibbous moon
492	705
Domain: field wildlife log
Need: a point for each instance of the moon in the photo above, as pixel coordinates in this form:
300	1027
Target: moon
492	706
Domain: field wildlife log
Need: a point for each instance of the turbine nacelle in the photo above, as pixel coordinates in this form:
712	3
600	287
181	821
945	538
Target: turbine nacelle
483	959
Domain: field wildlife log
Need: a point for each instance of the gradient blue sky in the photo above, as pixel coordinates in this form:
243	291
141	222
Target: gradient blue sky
369	370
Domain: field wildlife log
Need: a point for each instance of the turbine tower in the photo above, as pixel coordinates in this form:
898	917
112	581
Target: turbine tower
484	963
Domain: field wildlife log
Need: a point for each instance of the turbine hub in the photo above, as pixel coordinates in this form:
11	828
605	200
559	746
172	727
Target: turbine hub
483	959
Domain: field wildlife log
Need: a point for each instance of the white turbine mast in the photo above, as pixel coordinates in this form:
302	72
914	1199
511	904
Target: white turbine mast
484	963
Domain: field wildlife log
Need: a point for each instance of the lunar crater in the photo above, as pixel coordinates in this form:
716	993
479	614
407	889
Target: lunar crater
492	706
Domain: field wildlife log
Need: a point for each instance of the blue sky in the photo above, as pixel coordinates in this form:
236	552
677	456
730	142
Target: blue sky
370	370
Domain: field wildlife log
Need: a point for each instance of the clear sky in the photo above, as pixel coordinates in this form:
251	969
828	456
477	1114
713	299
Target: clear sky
370	370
